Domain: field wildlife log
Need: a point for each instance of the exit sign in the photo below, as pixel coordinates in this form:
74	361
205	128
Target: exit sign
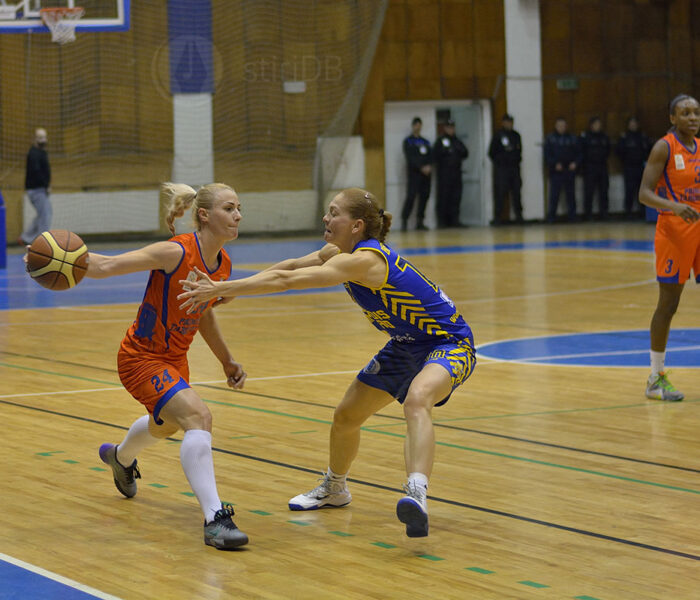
570	83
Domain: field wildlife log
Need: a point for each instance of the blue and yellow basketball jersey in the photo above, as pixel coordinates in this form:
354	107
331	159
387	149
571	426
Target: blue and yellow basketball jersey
408	306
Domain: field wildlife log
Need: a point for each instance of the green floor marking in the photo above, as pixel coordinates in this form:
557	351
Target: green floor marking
70	462
307	431
97	469
45	372
383	545
533	584
430	557
50	453
157	485
478	570
342	533
261	512
190	494
174	441
302	523
585	598
548	464
241	437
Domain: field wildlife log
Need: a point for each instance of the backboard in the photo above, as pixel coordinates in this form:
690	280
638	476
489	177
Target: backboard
22	16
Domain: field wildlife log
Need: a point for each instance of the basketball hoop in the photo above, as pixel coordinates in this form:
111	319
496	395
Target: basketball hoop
61	22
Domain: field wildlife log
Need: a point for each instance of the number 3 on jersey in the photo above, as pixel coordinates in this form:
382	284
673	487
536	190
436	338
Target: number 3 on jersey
158	381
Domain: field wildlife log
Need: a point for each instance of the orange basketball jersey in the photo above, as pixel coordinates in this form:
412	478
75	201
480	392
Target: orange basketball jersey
680	180
160	326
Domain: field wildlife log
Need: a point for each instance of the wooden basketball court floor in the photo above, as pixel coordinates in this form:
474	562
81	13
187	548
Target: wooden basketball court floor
554	476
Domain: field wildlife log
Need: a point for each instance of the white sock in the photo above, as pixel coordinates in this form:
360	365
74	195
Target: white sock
335	477
198	465
657	362
137	438
418	479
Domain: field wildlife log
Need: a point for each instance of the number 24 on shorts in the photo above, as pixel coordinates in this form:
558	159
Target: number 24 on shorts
158	381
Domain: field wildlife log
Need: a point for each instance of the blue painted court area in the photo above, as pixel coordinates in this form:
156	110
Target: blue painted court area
600	349
17	290
20	583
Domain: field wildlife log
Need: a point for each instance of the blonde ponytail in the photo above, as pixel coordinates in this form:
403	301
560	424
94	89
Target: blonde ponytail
179	197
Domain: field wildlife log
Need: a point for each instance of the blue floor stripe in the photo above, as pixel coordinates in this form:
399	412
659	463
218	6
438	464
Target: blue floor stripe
17	290
22	584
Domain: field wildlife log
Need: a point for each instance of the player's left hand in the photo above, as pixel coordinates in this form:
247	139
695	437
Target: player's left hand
235	375
328	251
196	292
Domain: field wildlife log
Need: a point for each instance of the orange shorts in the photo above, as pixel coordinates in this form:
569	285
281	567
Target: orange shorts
677	249
152	381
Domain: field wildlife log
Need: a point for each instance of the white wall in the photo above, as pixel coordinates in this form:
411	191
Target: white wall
524	96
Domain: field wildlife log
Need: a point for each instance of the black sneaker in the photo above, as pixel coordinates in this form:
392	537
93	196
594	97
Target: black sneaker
124	477
222	532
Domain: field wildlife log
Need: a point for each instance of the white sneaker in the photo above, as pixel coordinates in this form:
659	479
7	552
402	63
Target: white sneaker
660	388
329	493
412	510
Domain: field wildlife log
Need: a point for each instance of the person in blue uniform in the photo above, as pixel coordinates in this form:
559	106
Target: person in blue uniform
449	153
506	153
595	150
418	155
563	156
430	351
633	149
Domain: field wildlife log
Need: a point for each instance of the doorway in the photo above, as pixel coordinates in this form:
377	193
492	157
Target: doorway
472	126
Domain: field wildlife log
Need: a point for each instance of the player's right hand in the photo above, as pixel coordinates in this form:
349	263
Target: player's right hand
685	212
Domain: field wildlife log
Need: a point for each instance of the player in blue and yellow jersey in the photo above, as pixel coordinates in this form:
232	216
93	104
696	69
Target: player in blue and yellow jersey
430	351
671	184
152	359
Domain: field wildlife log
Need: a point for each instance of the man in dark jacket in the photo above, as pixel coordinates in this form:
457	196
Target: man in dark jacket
633	149
595	150
449	152
37	183
506	152
418	158
563	156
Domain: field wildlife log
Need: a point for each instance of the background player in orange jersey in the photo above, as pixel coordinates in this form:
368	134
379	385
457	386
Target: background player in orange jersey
671	184
152	359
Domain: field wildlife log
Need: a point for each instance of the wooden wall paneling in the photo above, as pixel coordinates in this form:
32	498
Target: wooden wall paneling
456	21
394	27
371	117
423	21
16	130
154	101
395	59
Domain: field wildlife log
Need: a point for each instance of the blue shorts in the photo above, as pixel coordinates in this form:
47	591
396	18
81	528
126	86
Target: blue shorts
395	365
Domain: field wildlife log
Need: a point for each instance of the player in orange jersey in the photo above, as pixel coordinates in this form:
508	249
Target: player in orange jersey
671	184
152	359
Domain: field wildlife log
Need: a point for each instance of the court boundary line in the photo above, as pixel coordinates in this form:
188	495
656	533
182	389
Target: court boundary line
57	578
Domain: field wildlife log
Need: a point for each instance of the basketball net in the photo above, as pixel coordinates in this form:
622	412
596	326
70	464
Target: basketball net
61	22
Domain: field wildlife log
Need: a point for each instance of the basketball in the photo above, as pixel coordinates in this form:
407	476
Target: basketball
57	259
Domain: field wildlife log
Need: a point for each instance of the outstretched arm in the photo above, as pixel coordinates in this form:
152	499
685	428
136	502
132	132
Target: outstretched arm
209	329
652	173
364	267
161	255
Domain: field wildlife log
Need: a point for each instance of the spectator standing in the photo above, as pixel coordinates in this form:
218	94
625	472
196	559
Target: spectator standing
506	153
595	150
633	150
37	183
563	156
418	155
449	152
